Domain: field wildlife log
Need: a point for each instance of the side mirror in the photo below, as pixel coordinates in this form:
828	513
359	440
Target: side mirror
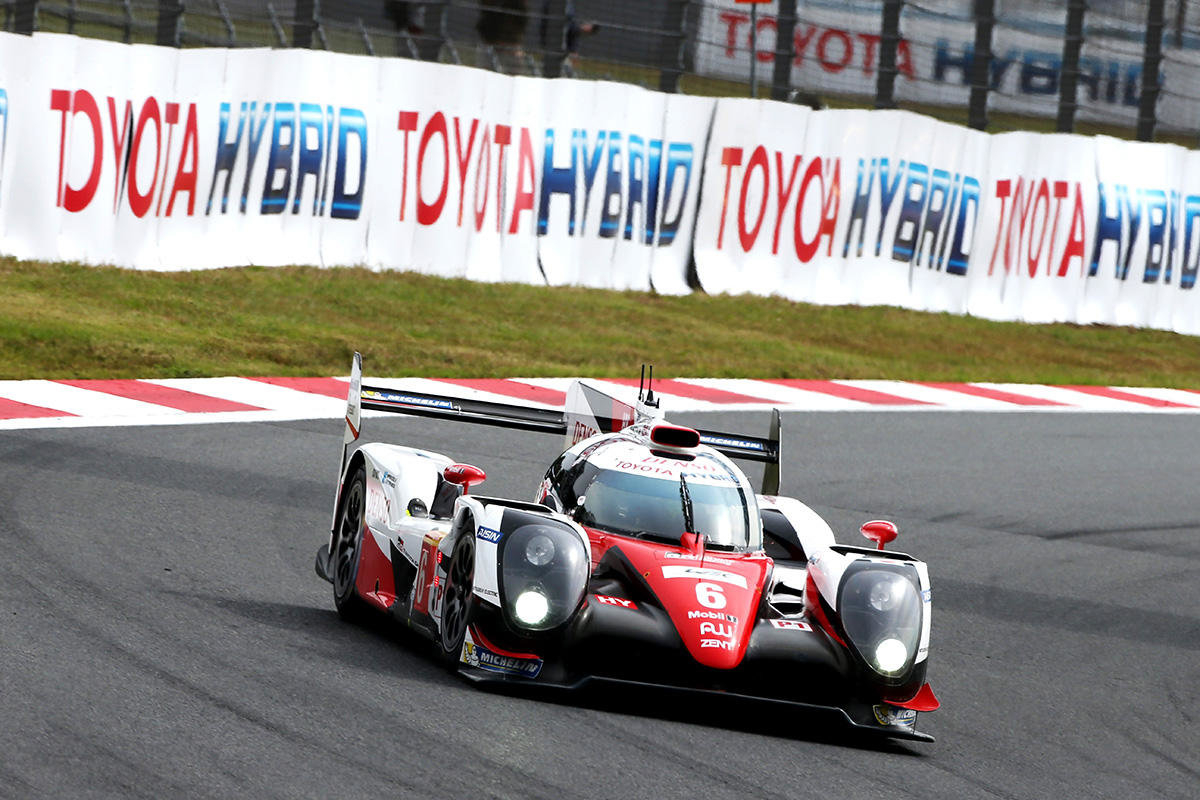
880	531
465	475
577	512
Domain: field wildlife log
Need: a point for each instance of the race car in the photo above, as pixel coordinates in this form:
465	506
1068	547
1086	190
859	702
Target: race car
644	558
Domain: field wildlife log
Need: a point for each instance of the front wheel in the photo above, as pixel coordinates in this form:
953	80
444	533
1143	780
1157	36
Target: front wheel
458	599
346	547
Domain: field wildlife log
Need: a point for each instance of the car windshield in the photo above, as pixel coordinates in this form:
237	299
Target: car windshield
640	505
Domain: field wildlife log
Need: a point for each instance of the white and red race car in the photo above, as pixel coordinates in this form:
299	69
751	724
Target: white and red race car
645	557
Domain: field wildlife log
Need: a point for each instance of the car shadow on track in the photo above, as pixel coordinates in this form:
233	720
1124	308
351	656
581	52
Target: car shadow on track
411	657
324	632
738	714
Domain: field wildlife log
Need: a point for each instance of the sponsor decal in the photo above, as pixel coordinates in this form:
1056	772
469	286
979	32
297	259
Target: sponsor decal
580	431
620	602
478	656
302	144
927	595
640	183
716	629
713	615
701	470
425	592
890	715
704	574
691	557
724	441
302	139
405	399
719	644
379	506
486	592
488	535
791	625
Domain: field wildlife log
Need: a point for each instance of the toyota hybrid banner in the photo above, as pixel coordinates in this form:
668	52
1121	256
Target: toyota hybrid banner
157	158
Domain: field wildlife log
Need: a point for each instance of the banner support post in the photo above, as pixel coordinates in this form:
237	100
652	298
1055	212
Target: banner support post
754	50
981	64
1068	87
1151	63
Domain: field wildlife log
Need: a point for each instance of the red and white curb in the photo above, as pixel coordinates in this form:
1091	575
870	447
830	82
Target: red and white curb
69	403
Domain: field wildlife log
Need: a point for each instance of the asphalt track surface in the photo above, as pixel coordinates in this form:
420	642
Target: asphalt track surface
162	633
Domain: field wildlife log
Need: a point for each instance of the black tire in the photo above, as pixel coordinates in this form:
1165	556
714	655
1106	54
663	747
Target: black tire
458	599
347	540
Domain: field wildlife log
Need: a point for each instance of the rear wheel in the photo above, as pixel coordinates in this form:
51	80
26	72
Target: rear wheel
346	546
458	599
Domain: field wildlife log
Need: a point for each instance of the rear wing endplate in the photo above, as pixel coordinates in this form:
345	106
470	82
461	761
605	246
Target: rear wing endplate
751	448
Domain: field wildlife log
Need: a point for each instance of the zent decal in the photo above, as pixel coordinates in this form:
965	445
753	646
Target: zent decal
717	643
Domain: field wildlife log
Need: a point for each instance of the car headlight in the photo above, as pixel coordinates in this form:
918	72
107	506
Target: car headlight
543	570
881	610
540	550
531	607
890	656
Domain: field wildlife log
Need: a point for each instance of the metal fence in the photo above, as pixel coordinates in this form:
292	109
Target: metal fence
1120	66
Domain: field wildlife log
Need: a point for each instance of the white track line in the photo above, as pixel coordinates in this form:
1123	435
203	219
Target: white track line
92	407
81	402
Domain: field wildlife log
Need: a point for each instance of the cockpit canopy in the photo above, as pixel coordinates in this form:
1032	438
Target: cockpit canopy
621	486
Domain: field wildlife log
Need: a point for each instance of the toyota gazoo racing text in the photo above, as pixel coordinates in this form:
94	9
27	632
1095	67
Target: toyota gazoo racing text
644	557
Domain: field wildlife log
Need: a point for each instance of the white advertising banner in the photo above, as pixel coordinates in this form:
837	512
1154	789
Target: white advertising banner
1032	246
836	51
838	207
892	208
1132	277
157	158
1184	304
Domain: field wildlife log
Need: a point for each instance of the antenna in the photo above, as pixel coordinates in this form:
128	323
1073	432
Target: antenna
650	401
642	384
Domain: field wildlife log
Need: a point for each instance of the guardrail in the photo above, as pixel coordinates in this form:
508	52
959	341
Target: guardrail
1088	65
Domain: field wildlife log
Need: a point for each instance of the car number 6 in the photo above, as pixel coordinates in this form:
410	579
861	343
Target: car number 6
710	595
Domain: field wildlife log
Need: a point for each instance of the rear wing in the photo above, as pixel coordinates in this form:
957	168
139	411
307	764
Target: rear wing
588	411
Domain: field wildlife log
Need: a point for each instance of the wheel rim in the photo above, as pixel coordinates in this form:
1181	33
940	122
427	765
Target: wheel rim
346	553
458	596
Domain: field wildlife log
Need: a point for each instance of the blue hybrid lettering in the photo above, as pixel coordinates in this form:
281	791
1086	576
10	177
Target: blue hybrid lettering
308	145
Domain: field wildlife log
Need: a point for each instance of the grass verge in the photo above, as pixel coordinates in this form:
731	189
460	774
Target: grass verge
74	321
